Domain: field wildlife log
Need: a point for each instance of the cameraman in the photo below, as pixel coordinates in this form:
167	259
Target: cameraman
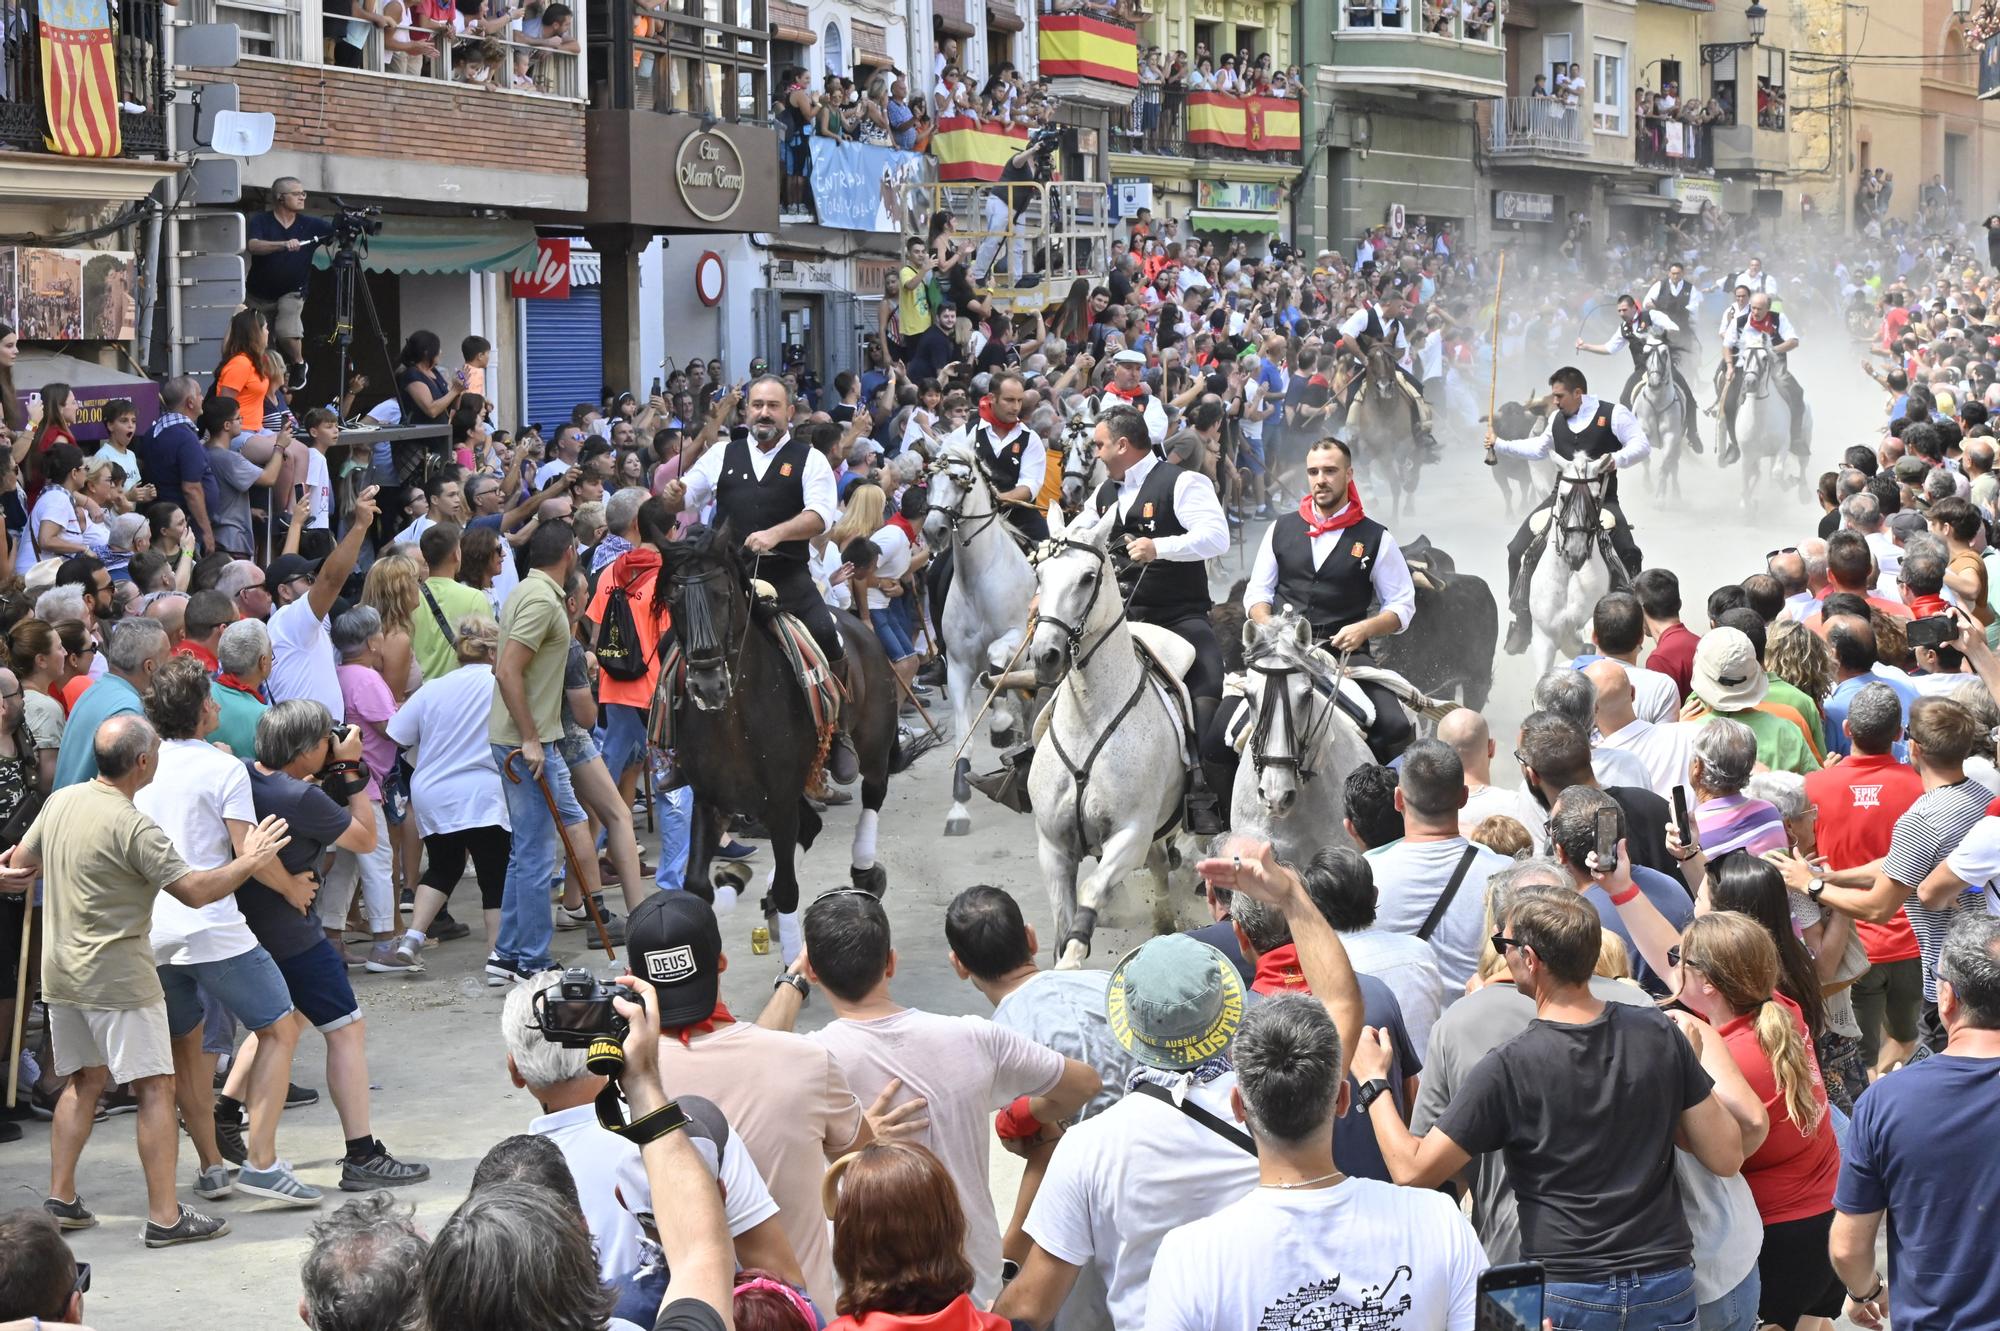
1006	203
281	244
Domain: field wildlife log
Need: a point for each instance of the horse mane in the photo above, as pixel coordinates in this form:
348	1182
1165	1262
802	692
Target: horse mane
1275	641
703	544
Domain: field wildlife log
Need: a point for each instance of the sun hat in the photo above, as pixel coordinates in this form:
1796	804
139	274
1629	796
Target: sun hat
1727	674
1174	1002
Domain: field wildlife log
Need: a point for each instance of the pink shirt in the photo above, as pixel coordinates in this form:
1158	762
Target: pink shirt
370	705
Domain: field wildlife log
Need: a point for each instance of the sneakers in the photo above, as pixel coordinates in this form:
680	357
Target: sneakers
114	1103
277	1184
408	953
214	1183
192	1227
500	971
229	1135
295	378
406	902
733	849
445	929
297	1096
614	925
71	1214
388	958
380	1170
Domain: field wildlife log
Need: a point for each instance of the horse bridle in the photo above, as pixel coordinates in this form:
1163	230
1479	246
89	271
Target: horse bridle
1659	349
955	519
1275	705
1563	527
1079	655
701	639
1768	360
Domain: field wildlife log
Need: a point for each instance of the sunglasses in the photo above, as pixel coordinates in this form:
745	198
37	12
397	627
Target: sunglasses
1781	550
1502	942
1674	957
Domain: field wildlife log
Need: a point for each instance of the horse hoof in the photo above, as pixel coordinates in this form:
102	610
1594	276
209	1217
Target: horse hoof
958	822
874	880
1075	952
1174	856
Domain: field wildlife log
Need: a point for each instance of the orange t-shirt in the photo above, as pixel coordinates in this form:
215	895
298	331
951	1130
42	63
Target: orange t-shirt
636	571
251	386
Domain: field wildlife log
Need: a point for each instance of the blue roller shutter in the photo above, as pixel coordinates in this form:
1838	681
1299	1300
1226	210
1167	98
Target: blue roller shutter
565	356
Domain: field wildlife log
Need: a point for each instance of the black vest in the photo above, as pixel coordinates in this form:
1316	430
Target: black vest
1674	307
1635	339
1377	331
1172	589
749	504
1338	592
1003	464
1594	440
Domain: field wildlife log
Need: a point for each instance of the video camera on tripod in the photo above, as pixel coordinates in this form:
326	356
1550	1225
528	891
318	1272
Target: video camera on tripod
352	226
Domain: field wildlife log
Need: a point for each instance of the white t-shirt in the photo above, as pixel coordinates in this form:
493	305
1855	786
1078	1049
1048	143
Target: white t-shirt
56	504
1360	1253
1977	859
413	533
319	489
195	788
1120	1181
894	563
1483	803
303	664
129	460
964	1068
1412	876
455	785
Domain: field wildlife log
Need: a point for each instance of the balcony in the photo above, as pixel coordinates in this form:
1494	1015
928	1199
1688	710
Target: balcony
1211	127
1752	148
1672	145
1539	127
141	99
1089	53
1414	46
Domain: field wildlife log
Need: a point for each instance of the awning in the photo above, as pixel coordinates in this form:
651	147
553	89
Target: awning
447	245
790	23
784	32
950	17
1247	223
1003	16
1640	201
871	44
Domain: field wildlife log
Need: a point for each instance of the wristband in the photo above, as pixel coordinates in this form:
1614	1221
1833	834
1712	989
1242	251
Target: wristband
1625	899
651	1127
1872	1294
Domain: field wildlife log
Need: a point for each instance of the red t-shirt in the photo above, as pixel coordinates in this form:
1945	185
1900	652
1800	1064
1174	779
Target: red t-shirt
1791	1175
1673	656
1894	320
1859	800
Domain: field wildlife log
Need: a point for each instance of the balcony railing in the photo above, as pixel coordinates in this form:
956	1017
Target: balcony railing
1672	145
1159	125
1457	20
1528	125
142	77
716	62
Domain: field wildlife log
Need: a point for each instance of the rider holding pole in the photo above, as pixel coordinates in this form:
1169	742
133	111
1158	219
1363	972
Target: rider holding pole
1635	326
1581	425
1013	455
1384	323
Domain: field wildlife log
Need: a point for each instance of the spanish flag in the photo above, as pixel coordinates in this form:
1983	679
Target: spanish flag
79	78
974	150
1077	46
1255	124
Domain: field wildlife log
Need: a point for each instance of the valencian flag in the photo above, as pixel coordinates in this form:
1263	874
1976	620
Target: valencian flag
1257	124
972	150
79	78
1077	46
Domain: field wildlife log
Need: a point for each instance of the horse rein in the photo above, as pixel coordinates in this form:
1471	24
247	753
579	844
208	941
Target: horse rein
1073	633
955	519
1275	705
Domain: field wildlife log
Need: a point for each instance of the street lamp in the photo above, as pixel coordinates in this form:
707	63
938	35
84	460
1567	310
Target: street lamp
1756	16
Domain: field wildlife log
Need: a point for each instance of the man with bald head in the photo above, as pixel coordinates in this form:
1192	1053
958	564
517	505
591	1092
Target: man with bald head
1467	734
169	611
1663	749
1855	666
1789	568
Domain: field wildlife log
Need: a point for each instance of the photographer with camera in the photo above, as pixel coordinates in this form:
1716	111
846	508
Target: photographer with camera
1007	202
281	243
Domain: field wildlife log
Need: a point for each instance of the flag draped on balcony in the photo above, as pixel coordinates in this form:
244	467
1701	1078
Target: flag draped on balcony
968	149
1077	46
1255	124
79	78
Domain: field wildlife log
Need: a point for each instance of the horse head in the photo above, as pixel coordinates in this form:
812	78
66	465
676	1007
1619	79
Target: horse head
1079	457
1077	595
707	593
1290	692
1579	502
1659	364
1381	359
959	491
1753	367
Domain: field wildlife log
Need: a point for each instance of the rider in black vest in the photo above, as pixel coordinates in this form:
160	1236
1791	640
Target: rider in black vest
1013	455
1384	323
776	492
1634	327
1768	327
1580	424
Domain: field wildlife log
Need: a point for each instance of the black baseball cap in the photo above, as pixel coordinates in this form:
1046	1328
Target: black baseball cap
672	939
286	567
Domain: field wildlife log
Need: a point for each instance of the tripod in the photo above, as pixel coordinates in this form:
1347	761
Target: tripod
348	286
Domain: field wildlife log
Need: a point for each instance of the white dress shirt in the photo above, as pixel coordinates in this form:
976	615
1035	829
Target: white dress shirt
1623	424
1734	333
1660	322
1150	408
1195	506
1389	575
1664	750
822	496
1034	454
1759	283
1730	317
1661	288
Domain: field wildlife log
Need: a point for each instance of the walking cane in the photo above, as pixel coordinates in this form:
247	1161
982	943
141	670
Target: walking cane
569	852
20	1000
1493	386
992	693
913	701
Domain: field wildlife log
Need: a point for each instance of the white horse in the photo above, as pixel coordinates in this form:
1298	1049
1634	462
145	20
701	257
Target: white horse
1763	419
986	613
1571	573
1657	404
1300	746
1109	775
1082	470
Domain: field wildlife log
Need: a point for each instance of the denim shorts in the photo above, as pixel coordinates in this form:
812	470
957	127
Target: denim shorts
892	632
317	978
249	985
1250	457
577	750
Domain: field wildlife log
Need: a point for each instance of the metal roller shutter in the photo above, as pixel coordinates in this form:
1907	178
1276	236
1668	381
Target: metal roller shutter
565	356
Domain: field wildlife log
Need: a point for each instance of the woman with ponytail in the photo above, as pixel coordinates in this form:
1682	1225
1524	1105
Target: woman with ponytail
1729	975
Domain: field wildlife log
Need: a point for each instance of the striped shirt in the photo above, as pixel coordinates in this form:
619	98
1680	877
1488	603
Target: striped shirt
1924	836
1737	822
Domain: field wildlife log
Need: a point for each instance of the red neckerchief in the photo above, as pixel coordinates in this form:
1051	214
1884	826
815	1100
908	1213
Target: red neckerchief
229	681
902	524
1764	323
1341	521
1278	972
1129	394
189	647
719	1017
986	414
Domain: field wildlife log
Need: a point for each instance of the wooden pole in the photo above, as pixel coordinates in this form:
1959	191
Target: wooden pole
20	1001
1493	384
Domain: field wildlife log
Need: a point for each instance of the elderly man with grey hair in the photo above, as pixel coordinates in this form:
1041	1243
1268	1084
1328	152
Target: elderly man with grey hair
243	583
1725	755
610	1177
137	648
1568	692
65	602
621	526
1295	1231
243	655
365	1269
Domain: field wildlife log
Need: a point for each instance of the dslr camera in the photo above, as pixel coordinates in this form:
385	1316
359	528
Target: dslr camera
577	1012
1283	251
342	778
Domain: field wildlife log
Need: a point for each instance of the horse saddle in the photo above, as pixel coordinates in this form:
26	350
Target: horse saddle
1430	567
1168	656
1538	521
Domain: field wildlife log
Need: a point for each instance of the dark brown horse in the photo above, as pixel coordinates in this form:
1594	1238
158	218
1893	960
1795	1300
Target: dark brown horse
743	730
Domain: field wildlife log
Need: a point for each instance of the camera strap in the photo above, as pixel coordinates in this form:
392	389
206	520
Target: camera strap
669	1117
1444	901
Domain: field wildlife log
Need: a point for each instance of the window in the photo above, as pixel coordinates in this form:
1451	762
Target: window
1770	89
1722	87
832	51
708	58
1608	93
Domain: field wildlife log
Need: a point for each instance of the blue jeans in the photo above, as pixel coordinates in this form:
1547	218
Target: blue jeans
1736	1310
1661	1300
673	810
624	741
526	930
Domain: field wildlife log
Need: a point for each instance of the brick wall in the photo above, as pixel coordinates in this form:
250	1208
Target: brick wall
342	112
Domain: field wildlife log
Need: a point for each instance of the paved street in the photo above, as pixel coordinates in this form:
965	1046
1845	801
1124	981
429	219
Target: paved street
442	1093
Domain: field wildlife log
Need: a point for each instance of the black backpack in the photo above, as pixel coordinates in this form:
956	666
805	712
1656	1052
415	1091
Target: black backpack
620	653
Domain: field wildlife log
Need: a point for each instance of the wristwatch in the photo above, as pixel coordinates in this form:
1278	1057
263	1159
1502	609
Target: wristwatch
798	982
1370	1090
1818	887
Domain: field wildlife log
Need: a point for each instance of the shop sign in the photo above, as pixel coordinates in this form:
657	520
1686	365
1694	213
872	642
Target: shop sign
708	172
1693	191
1238	196
1518	206
550	277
